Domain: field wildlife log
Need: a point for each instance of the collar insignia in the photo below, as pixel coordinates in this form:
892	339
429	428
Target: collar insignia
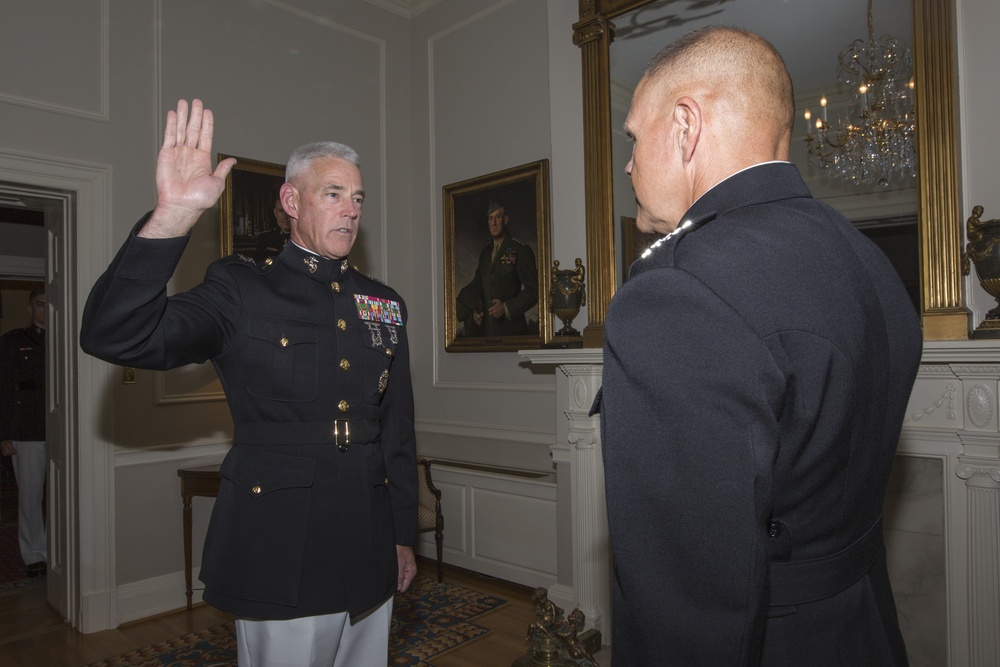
312	263
661	241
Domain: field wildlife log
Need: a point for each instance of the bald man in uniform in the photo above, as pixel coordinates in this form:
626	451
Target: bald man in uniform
758	363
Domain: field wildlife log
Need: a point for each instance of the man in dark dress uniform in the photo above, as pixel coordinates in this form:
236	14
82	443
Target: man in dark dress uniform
758	363
271	242
505	286
22	428
313	527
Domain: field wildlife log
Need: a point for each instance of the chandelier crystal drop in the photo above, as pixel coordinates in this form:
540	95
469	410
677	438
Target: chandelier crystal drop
875	142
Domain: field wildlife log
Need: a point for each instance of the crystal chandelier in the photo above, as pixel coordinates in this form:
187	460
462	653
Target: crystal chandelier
876	140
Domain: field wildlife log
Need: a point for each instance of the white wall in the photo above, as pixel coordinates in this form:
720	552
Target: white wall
101	77
979	96
464	88
457	91
482	102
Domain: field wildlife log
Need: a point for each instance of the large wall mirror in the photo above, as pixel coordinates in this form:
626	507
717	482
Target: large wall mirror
810	37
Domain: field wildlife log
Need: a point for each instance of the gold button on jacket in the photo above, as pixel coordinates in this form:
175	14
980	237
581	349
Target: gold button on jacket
285	511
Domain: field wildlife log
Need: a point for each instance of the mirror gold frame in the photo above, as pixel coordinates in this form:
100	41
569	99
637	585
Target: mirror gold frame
943	314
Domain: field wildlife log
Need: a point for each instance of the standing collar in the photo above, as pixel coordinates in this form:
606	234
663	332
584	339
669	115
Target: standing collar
306	261
764	182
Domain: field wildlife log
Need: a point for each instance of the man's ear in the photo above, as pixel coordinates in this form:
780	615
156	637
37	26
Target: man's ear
688	123
289	198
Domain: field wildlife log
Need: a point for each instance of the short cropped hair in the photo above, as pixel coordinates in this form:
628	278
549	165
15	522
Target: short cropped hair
495	205
298	161
35	292
716	51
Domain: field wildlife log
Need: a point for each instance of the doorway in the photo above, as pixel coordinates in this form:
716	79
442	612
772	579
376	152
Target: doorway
15	293
74	197
29	217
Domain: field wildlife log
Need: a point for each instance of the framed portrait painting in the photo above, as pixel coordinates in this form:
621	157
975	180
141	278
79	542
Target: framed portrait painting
497	236
247	209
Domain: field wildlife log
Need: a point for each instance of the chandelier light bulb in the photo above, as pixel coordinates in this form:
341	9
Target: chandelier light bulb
875	142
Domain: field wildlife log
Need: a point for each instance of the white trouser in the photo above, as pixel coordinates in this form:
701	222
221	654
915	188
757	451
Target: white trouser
316	641
29	471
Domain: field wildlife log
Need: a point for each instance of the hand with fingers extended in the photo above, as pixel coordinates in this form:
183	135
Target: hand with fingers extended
186	185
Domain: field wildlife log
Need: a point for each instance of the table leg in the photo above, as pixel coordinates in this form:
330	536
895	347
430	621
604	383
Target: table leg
187	546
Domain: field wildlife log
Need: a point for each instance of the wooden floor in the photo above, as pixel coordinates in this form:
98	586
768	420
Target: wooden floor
32	635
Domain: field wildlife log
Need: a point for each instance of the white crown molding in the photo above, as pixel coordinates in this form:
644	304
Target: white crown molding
405	8
103	112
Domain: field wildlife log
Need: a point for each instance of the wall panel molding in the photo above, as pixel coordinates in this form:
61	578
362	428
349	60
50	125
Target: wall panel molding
532	436
160	109
103	111
435	214
179	452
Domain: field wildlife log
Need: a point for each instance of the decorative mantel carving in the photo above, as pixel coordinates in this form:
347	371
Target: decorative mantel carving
953	415
583	529
968	471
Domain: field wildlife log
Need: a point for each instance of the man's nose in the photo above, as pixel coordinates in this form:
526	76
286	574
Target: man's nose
628	168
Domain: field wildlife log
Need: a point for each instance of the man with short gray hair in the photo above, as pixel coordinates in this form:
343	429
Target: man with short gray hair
313	529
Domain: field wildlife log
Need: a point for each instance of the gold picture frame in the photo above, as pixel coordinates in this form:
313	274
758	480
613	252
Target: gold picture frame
246	208
470	272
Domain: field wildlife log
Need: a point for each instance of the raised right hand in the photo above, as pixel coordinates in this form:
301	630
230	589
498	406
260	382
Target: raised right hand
186	185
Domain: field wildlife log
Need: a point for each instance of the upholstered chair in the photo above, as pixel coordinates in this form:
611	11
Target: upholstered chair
429	515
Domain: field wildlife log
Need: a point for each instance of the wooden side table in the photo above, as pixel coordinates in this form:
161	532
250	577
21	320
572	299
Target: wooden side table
199	481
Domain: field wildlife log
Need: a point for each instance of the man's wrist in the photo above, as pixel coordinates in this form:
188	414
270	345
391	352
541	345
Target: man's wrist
169	222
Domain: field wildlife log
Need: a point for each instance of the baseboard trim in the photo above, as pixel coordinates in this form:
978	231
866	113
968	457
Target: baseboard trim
157	595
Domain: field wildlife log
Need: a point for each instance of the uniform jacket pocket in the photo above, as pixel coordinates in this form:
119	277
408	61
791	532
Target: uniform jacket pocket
282	358
255	543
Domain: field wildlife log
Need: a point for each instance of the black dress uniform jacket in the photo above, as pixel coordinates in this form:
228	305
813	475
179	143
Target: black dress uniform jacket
320	484
270	244
512	277
22	384
758	364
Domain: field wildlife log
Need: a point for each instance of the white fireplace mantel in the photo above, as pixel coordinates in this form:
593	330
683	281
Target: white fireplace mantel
953	417
585	581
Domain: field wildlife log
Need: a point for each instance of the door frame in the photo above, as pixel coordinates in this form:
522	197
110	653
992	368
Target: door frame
84	589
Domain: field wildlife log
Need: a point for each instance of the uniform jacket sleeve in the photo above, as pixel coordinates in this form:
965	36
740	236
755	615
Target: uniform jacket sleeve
399	442
689	429
130	320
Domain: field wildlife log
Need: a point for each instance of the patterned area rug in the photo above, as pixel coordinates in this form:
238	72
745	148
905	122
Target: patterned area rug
427	620
433	618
